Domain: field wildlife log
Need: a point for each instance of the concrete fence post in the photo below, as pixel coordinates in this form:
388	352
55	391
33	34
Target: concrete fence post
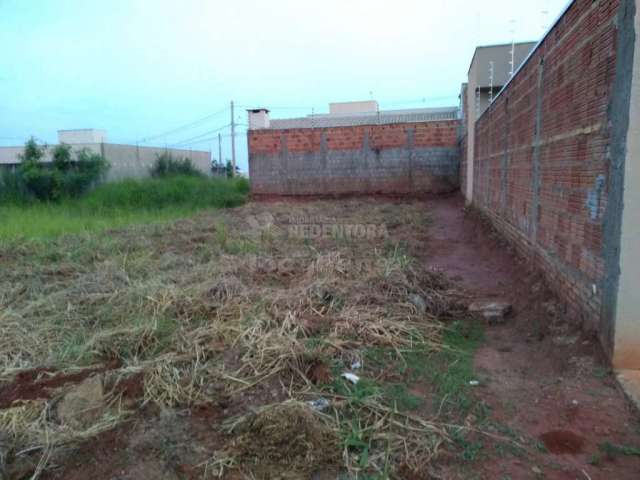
625	114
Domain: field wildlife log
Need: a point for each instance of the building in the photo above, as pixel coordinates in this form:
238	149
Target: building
491	68
356	148
554	166
127	161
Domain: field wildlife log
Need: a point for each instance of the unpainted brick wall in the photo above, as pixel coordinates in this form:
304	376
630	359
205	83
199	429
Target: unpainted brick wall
541	156
391	158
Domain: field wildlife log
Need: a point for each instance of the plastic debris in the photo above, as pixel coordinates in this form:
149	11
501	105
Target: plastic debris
418	302
474	383
356	365
351	377
319	404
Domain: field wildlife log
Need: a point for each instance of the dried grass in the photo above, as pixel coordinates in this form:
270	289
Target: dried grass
217	314
31	426
286	440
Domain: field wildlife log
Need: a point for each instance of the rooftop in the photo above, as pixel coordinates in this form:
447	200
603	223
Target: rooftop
375	118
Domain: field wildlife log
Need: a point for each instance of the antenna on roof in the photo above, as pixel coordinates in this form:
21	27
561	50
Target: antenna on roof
545	20
512	63
491	71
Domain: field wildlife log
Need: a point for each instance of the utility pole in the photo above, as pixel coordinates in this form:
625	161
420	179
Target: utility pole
220	148
233	142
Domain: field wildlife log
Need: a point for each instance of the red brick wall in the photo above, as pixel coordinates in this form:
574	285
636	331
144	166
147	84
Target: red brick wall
389	158
428	134
546	190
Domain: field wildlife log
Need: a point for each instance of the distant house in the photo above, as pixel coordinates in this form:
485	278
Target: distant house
492	66
127	161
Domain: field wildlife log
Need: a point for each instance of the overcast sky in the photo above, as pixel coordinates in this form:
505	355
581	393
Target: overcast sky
138	68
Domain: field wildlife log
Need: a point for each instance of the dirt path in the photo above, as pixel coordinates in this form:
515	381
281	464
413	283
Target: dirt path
541	379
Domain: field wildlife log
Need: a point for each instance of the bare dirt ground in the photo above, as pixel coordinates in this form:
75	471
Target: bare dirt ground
541	376
191	351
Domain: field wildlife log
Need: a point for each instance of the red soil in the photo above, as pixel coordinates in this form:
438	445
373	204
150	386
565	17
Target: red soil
541	376
39	382
562	441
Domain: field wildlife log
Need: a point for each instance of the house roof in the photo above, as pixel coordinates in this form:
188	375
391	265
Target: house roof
379	118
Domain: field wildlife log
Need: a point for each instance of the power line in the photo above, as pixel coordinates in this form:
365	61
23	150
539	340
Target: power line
277	108
183	127
196	137
208	139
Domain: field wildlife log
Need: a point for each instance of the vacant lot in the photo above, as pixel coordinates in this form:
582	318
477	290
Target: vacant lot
216	346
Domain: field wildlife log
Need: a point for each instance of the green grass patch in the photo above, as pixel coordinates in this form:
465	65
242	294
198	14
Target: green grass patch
398	395
117	204
454	365
613	450
448	371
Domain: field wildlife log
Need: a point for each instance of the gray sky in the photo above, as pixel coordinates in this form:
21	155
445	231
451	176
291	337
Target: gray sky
138	68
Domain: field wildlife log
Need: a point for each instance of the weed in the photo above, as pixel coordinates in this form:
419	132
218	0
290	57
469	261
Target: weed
541	447
398	396
454	365
167	166
614	450
595	459
354	393
470	448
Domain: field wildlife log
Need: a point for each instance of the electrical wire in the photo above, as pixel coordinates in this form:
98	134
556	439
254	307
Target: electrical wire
183	127
278	108
196	137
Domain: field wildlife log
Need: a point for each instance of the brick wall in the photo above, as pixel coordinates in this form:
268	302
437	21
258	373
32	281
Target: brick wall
542	157
391	158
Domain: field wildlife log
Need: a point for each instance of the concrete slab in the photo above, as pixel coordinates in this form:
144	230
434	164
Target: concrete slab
630	381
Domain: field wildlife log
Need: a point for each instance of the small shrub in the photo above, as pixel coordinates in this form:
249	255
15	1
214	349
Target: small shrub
41	182
84	173
31	171
167	166
65	177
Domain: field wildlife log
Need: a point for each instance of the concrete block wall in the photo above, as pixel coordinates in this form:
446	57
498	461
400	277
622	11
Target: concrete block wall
392	158
463	137
127	161
546	154
130	161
